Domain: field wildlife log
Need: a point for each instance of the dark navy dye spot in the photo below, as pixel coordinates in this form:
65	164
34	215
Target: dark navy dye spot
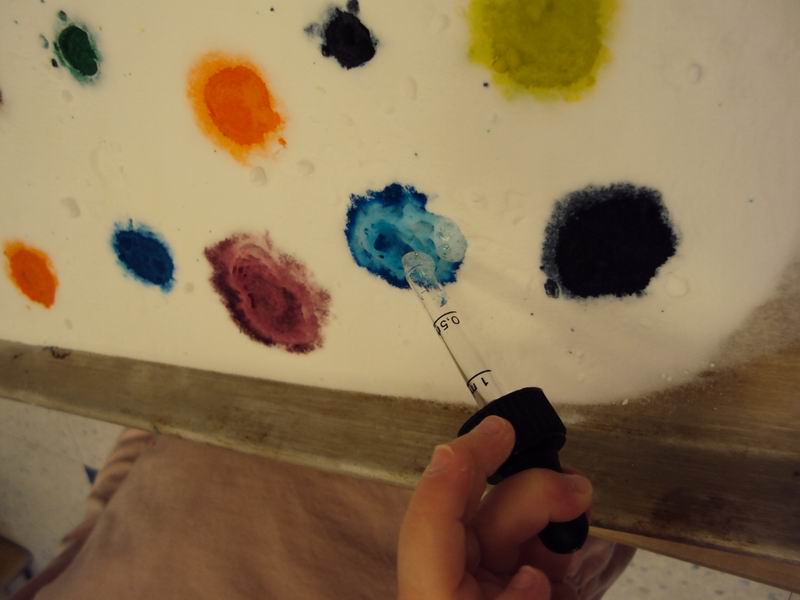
91	474
382	226
345	37
144	255
606	241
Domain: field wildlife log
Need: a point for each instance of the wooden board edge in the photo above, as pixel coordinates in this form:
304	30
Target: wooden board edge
381	438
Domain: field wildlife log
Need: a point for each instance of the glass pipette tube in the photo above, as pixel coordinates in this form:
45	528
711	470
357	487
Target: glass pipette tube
449	325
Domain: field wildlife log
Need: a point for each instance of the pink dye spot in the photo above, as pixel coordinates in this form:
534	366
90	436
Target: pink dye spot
270	295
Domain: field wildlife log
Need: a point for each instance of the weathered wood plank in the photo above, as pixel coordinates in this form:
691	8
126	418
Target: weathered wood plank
714	464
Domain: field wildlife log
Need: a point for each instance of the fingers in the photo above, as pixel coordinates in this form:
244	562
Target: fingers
527	584
520	507
571	471
488	446
432	551
554	565
563	591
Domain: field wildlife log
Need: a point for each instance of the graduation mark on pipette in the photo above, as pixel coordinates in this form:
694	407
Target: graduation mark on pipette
449	325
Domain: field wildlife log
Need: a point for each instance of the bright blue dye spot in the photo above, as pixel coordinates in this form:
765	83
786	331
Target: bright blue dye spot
383	226
144	255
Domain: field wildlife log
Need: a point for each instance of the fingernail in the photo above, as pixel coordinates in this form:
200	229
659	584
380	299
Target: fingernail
490	426
524	578
440	460
578	484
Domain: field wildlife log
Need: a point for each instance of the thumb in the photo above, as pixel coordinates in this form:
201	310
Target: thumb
527	584
433	538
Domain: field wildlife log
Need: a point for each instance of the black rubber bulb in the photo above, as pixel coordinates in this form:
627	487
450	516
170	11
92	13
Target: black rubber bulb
540	434
565	538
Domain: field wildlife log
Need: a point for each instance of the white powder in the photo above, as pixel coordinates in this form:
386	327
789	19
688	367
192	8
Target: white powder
698	101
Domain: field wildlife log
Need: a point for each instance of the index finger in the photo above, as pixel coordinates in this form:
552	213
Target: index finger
517	509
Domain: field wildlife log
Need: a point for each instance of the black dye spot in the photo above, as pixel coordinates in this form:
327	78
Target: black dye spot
54	63
58	353
606	241
346	38
551	288
62	15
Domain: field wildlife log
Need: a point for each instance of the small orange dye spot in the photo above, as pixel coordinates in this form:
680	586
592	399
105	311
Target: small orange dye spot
233	104
32	272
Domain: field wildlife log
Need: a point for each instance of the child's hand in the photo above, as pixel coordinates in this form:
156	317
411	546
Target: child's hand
453	546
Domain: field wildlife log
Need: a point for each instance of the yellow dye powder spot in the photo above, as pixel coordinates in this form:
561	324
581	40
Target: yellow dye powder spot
552	48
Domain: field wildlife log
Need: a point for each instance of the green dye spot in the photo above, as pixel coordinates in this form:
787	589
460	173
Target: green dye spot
76	50
552	48
43	41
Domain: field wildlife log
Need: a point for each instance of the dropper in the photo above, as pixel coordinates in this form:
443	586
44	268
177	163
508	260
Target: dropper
449	324
540	434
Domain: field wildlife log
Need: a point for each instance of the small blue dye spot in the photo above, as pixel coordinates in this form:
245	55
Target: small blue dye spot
382	226
91	474
143	254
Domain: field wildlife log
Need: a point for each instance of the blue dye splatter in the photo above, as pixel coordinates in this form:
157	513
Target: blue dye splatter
383	226
91	473
143	254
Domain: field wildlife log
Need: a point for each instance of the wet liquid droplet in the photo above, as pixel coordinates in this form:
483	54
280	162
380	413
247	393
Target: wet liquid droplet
676	287
258	176
72	207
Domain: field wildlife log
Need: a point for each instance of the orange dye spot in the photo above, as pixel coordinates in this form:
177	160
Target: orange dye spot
32	272
233	105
